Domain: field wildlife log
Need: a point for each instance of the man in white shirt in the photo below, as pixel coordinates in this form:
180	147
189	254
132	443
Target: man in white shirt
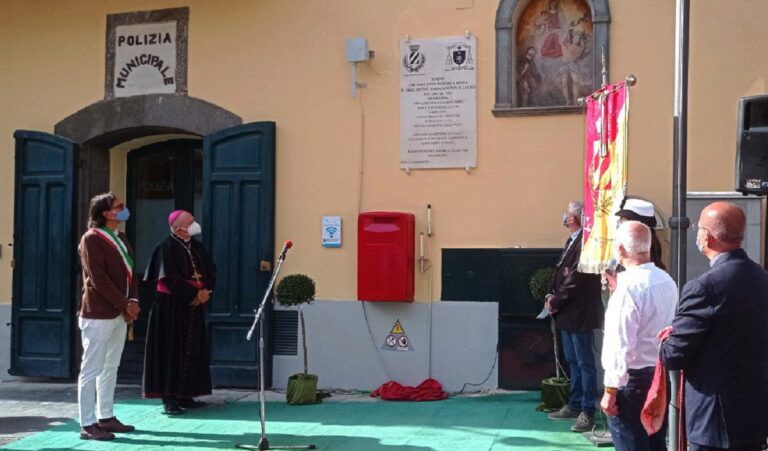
643	303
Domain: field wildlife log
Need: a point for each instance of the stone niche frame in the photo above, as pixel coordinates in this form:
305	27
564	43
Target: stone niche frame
100	126
507	17
180	15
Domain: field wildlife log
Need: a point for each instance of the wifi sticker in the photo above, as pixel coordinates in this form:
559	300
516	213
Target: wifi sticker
331	231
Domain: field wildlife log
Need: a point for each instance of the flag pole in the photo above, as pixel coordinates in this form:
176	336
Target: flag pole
604	71
630	81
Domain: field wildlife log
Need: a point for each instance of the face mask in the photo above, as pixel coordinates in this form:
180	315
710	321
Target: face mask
123	215
700	246
194	229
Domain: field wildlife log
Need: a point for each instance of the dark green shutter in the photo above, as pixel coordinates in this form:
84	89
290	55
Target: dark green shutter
43	305
238	229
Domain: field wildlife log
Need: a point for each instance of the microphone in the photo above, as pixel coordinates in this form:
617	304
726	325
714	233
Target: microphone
610	269
287	244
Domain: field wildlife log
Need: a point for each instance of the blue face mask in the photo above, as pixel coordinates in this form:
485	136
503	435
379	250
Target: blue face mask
123	215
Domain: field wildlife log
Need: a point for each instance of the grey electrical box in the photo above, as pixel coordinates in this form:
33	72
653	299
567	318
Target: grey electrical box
357	50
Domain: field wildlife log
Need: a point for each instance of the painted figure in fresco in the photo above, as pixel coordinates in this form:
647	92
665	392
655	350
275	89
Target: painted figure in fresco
553	15
528	77
551	47
560	34
574	45
541	23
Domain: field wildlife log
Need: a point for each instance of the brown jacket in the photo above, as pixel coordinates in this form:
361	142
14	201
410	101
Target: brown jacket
104	278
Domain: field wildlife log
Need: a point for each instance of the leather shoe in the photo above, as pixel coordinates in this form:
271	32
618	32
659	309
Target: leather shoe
189	403
114	425
171	407
94	432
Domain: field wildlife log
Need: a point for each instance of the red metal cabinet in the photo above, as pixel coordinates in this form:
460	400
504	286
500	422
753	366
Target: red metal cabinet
385	256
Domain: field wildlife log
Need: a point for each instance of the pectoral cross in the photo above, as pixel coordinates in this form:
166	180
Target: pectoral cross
197	276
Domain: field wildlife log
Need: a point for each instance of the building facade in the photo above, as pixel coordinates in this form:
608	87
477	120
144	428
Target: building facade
272	75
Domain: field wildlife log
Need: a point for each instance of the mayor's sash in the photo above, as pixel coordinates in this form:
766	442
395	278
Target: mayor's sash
117	243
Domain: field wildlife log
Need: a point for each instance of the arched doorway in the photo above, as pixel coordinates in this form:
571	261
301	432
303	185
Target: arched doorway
237	166
160	177
104	125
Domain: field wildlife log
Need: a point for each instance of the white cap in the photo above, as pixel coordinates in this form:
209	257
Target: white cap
639	206
639	210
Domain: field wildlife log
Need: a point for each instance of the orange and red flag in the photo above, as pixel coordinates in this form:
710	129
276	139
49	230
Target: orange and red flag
605	173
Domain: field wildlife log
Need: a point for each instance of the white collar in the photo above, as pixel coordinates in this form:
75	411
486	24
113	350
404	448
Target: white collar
575	234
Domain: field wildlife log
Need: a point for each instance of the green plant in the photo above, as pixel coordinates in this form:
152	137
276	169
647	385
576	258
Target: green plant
540	281
293	291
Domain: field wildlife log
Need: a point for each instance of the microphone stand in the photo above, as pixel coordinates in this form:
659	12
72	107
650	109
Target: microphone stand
258	320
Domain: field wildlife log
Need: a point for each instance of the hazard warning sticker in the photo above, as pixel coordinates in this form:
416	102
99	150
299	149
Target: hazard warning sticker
397	339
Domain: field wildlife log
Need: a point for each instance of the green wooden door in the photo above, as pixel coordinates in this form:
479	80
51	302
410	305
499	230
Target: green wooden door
238	229
43	306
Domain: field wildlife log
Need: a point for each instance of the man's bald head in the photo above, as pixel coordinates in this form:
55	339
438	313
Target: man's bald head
635	238
725	222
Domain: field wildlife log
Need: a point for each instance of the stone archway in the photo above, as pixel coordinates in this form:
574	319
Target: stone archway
104	124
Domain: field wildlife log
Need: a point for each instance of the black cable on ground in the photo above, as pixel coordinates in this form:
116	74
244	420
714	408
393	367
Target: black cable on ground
495	359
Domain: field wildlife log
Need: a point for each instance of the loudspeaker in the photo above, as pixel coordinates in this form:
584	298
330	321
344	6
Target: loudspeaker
752	146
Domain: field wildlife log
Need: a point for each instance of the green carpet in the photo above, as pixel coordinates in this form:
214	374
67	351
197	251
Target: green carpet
501	422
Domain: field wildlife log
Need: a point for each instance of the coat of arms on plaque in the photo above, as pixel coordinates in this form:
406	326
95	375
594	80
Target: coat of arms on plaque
459	57
414	59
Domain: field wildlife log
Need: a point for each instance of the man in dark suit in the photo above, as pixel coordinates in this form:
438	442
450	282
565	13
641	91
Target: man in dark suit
719	338
576	305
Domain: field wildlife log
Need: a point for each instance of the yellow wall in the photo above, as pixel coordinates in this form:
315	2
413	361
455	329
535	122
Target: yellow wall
284	61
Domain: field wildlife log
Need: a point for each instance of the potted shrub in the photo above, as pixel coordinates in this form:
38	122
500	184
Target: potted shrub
296	290
540	281
554	390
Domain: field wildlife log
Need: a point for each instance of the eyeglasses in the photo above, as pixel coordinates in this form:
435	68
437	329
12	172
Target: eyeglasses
119	206
696	227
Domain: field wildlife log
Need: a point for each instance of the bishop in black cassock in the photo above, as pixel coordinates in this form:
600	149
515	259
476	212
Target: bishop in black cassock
176	366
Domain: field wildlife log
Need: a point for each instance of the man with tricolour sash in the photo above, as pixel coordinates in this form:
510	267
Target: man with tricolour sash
108	306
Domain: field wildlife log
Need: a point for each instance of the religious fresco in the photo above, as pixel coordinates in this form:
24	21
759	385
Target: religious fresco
554	53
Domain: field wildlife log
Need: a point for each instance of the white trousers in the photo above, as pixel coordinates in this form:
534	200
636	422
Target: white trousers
103	342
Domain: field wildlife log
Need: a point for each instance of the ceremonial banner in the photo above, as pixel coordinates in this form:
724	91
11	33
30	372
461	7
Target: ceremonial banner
605	173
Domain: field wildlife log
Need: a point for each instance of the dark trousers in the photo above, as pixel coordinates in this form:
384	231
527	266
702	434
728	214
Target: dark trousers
753	447
627	431
578	350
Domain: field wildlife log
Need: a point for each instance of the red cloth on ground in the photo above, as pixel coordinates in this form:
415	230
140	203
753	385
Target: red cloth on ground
654	409
429	390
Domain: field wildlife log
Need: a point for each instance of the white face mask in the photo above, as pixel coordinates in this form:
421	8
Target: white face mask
194	229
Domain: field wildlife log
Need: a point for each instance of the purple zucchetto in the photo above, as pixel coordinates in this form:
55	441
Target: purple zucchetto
174	216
